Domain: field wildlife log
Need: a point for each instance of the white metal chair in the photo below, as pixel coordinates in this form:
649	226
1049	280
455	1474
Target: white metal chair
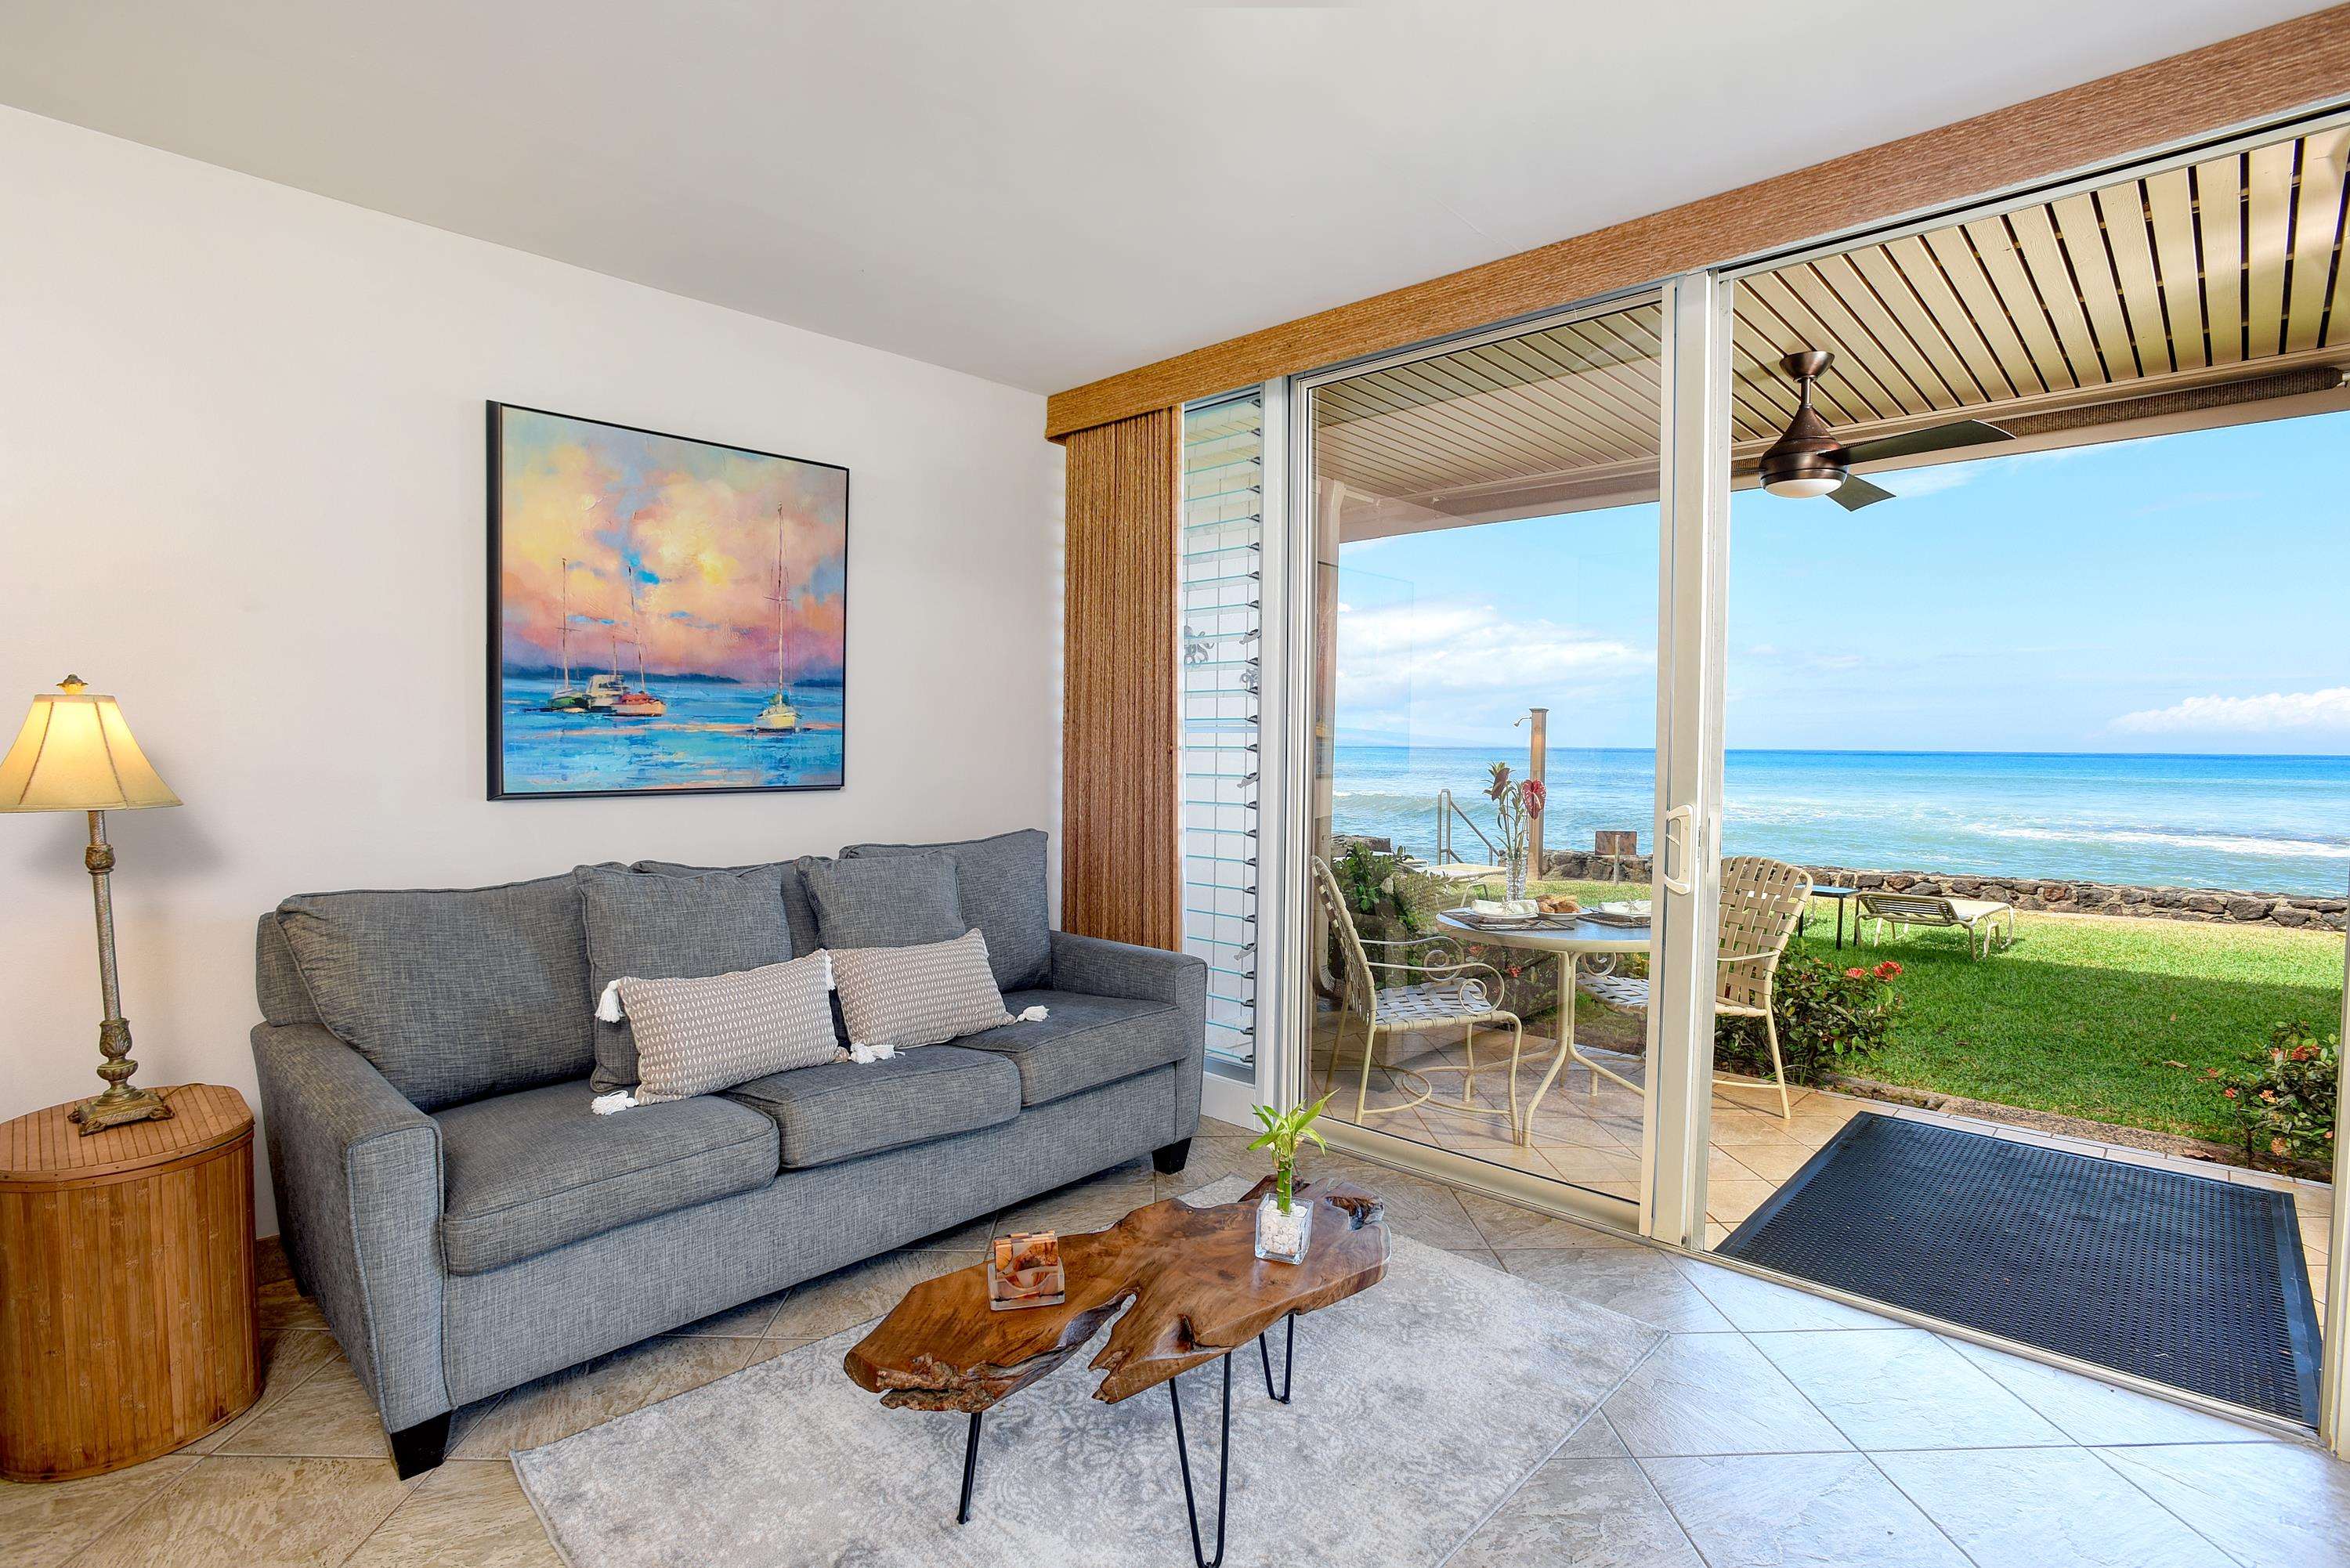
1438	989
1979	918
1762	903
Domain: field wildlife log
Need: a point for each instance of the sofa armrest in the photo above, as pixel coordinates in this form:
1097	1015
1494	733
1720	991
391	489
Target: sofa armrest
357	1170
1098	967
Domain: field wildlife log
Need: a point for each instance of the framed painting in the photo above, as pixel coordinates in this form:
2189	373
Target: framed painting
667	615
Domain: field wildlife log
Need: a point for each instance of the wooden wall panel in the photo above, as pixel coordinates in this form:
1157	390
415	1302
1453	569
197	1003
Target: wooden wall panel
2293	64
1121	810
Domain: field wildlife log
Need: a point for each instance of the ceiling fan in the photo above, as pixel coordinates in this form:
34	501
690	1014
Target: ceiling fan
1807	461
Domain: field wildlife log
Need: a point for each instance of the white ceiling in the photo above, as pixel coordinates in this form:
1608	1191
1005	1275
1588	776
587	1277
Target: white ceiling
1043	194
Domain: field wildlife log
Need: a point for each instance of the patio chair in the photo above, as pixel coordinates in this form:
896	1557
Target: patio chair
1761	900
1435	988
1979	918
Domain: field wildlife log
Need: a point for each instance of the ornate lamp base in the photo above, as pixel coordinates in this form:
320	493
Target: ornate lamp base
116	1107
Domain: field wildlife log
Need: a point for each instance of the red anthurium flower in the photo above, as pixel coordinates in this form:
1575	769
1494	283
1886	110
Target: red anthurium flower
1531	794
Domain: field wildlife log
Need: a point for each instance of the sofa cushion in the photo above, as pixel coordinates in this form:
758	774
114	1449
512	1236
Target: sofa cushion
799	915
1082	1042
527	1173
1000	884
698	1036
849	1109
671	927
905	997
901	902
451	992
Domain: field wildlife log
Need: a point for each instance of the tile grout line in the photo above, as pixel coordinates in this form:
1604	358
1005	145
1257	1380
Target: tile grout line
1903	1494
1598	1410
2134	1485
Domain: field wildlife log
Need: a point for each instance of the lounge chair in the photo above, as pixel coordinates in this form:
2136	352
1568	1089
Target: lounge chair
1979	918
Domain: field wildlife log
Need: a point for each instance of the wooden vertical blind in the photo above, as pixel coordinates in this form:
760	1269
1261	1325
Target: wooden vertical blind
1122	813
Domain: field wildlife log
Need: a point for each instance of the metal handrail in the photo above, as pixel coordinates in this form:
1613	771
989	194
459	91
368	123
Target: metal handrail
1446	810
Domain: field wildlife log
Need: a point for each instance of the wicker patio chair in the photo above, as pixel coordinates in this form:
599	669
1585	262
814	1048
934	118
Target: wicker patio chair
1436	988
1762	901
1979	918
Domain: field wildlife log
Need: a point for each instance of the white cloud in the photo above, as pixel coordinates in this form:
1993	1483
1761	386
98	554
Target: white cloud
2326	710
1457	653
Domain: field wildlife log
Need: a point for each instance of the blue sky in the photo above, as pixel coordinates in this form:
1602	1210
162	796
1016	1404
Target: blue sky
2185	593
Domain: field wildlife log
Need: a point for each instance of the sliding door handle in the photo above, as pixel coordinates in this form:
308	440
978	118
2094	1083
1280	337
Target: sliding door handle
1684	884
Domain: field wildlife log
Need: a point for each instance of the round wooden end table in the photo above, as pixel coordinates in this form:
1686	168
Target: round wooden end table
128	1323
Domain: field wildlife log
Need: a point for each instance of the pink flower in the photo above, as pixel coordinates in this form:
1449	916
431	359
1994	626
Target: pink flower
1888	970
2227	1093
1856	974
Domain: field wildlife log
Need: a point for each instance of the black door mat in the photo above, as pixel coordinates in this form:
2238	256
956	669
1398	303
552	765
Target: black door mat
2191	1281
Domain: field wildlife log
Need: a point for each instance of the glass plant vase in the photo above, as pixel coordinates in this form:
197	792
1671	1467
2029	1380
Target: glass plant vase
1283	1238
1516	870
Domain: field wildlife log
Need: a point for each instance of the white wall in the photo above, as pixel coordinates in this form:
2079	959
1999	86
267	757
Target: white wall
241	488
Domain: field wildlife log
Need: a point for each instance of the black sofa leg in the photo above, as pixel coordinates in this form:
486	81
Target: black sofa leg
1171	1160
415	1450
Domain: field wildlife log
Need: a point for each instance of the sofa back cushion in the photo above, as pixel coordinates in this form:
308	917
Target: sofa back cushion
453	993
799	915
650	926
893	903
1000	884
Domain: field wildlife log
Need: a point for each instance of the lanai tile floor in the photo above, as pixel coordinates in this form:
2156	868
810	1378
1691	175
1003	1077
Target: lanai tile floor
1762	1430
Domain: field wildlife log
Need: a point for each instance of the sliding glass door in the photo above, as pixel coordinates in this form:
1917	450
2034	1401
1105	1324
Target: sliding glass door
1480	540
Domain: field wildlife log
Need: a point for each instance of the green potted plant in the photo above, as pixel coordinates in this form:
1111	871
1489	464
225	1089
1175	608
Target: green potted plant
1283	1227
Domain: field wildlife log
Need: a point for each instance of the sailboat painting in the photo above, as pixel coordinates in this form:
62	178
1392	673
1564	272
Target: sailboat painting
667	615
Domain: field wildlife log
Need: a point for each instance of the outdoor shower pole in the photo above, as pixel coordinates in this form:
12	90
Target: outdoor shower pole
1537	759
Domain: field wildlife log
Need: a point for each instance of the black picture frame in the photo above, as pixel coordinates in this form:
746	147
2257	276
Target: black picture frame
494	648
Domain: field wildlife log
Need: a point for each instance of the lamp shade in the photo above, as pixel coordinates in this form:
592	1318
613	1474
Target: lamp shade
76	754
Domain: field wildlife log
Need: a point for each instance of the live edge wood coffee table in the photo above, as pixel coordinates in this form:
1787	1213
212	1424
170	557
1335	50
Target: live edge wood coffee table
1198	1292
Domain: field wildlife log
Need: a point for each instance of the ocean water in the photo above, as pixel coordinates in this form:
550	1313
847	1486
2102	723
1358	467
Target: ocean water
2276	824
703	742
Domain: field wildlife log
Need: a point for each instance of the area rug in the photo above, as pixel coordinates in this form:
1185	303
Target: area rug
1419	1406
2187	1280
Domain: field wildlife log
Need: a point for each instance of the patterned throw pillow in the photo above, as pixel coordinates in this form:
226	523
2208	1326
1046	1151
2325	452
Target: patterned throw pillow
895	997
699	1036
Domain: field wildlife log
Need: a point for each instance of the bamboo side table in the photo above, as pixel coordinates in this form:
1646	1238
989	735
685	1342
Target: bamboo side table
127	1323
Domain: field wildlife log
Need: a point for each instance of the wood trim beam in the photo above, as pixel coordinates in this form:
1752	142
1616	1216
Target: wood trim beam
1121	810
2294	64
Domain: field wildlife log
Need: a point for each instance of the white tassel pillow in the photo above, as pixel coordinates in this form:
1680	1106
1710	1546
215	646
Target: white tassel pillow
891	997
699	1036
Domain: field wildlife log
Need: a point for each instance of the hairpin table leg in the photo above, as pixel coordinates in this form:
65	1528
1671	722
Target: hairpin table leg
970	1469
1288	1360
1223	1469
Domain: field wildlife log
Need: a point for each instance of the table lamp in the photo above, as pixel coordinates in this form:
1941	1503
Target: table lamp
74	753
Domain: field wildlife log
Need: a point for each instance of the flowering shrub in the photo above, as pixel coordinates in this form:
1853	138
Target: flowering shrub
1827	1018
2285	1095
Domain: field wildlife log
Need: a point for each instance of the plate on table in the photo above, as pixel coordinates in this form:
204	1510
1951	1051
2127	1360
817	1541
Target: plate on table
1468	916
1621	912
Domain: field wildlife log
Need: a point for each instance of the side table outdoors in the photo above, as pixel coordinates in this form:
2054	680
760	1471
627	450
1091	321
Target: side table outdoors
127	1323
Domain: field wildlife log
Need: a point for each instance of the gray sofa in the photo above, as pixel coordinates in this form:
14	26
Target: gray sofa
466	1223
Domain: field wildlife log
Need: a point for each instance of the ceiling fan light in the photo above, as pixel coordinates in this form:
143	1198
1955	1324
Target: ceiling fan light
1804	486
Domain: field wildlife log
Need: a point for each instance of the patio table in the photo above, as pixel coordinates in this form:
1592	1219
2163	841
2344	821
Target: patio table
1569	943
1843	896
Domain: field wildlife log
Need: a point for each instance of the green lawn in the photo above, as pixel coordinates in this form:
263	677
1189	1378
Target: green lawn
2111	1018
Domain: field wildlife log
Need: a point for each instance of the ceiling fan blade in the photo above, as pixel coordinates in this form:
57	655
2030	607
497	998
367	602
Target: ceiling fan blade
1855	493
1933	438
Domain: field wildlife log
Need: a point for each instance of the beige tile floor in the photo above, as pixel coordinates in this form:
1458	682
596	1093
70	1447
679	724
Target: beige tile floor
1592	1140
1768	1428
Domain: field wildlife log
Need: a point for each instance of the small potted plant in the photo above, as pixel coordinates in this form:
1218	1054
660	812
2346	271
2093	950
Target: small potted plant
1282	1227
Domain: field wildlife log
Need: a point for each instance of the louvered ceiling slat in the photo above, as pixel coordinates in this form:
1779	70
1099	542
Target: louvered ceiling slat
1524	424
1616	394
2035	229
1850	380
1921	276
2316	230
1911	352
2268	220
1562	404
2171	201
1759	331
1417	406
1902	391
1954	254
2082	236
2130	241
1994	247
1595	414
2220	221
